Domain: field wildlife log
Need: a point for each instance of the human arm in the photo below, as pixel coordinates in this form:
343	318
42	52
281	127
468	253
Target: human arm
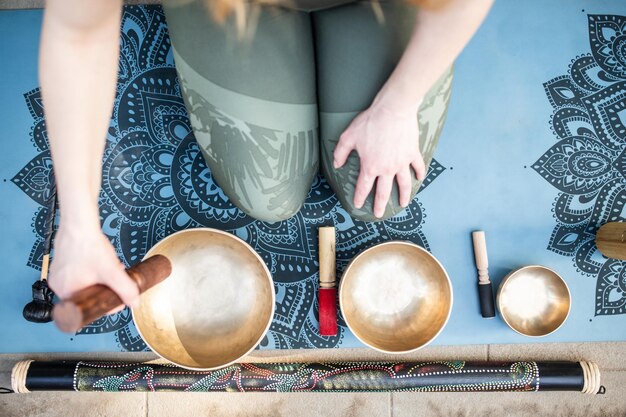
385	135
77	69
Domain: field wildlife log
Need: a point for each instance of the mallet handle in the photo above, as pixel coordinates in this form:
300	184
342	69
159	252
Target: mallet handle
485	291
45	264
327	257
93	302
611	240
480	256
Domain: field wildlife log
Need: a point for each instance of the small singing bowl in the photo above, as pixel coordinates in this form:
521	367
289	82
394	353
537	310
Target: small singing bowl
216	305
534	300
395	297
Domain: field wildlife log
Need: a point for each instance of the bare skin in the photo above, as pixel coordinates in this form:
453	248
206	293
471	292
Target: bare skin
438	38
84	36
78	106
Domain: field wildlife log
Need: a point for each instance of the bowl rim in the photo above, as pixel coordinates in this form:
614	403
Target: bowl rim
267	274
515	271
392	243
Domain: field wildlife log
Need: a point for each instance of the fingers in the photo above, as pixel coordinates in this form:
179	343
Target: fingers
116	310
342	150
120	282
52	282
61	287
383	191
419	168
384	184
115	278
364	184
405	185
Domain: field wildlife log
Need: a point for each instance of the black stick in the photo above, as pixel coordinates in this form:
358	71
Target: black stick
39	310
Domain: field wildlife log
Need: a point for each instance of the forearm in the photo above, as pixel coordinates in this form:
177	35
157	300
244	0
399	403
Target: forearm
438	38
78	69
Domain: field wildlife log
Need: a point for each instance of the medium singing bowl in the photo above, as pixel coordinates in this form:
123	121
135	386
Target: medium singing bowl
395	297
534	300
216	305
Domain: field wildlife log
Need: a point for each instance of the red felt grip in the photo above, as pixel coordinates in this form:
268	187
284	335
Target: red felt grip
328	311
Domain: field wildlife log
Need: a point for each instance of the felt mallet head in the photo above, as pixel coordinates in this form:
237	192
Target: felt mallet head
40	309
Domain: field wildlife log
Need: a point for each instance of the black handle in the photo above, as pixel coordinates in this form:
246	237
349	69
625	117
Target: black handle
485	294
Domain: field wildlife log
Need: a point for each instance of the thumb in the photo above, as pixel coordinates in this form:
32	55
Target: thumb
119	281
116	310
342	151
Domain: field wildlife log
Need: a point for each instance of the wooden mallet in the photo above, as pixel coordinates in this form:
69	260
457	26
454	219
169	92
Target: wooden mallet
93	302
327	294
485	292
39	310
611	240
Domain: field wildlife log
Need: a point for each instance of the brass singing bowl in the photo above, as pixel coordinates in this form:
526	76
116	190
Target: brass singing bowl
534	300
395	297
216	305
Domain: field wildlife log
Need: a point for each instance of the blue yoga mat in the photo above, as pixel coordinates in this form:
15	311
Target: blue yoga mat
532	153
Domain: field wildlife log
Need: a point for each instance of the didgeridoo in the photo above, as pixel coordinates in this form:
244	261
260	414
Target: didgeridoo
450	376
93	302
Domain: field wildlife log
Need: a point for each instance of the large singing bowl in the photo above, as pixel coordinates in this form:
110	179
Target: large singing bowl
215	307
395	297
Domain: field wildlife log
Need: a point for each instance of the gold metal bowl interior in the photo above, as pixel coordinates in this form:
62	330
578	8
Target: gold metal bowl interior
215	307
395	297
534	300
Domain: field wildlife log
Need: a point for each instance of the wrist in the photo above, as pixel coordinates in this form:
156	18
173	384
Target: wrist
396	101
79	216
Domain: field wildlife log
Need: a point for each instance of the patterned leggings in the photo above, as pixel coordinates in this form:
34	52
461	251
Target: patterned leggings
261	107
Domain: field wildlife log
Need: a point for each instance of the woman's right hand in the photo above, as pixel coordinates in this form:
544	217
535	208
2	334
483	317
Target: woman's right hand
83	256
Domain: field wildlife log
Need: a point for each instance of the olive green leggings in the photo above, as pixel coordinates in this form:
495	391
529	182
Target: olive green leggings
261	107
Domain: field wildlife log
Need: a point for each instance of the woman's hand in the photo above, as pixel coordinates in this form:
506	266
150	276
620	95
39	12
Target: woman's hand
387	142
84	36
83	256
386	135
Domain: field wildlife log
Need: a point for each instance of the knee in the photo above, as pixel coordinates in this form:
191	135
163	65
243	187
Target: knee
268	201
343	182
366	212
267	184
271	208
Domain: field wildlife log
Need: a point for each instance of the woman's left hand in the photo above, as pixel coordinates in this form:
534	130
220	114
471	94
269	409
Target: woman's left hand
387	142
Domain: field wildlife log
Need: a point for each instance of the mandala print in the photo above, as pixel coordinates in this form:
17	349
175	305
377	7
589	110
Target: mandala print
155	182
588	163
